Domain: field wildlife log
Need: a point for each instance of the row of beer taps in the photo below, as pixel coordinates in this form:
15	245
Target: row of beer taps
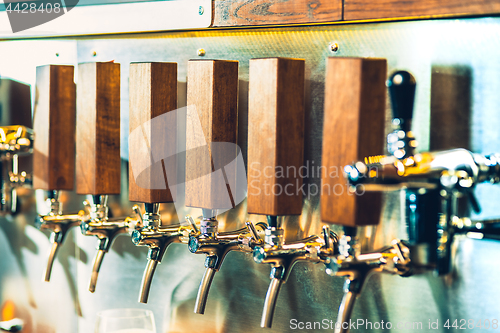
432	182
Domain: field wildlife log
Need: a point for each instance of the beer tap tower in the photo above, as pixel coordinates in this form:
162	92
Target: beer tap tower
54	149
276	142
153	140
98	155
212	167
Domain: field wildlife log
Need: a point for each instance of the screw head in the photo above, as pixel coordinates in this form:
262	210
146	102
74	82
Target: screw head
201	52
201	10
94	53
334	46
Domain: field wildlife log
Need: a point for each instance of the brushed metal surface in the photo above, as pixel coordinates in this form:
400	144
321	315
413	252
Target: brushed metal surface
238	291
127	17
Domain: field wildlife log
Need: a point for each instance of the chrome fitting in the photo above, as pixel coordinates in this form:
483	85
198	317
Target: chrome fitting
152	216
55	206
209	226
274	236
349	246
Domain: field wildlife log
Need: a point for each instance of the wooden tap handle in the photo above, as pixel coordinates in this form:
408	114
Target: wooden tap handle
275	136
152	147
98	129
353	129
54	128
212	99
15	103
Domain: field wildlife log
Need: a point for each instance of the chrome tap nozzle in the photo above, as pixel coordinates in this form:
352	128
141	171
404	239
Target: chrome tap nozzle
216	245
282	259
59	225
157	238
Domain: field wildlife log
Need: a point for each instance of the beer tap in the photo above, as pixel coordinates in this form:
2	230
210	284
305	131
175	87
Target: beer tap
276	142
153	101
157	238
216	245
16	143
432	179
54	149
362	122
282	257
98	156
212	160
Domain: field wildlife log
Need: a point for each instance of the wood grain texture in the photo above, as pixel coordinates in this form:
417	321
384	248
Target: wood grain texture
382	9
212	99
353	129
98	129
266	12
275	136
152	94
54	127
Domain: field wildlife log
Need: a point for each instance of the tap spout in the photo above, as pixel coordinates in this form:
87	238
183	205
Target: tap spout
345	312
60	226
203	290
270	302
147	278
99	256
50	262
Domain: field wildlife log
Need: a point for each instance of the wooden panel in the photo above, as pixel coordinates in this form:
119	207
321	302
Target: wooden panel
98	129
212	99
275	136
353	129
266	12
54	127
367	9
153	93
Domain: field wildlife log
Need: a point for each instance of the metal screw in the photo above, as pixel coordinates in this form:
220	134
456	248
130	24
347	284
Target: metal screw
57	54
94	53
334	46
201	10
201	52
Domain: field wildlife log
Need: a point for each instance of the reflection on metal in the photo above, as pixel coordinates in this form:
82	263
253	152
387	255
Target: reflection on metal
15	141
119	18
237	294
157	238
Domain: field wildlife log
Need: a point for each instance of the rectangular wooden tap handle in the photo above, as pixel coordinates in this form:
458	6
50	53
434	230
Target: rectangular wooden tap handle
212	99
353	129
275	136
54	128
153	130
98	129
